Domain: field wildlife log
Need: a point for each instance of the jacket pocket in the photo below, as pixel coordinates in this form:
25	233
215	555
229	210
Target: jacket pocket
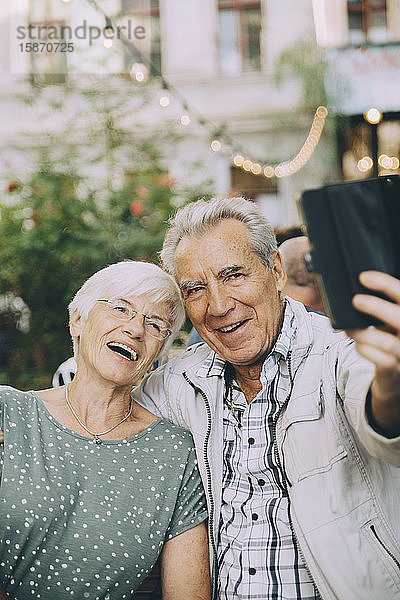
311	442
385	548
327	465
310	450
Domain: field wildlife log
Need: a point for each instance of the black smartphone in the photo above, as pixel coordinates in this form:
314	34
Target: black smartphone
353	227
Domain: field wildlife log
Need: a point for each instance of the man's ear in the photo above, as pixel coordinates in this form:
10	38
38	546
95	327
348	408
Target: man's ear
75	324
278	270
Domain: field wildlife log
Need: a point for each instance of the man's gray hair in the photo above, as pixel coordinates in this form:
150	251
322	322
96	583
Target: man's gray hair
196	219
131	278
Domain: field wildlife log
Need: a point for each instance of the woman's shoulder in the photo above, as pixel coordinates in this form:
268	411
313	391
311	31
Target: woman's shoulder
174	430
177	436
8	392
11	399
15	402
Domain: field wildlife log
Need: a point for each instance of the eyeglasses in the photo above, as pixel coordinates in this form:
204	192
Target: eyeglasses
123	311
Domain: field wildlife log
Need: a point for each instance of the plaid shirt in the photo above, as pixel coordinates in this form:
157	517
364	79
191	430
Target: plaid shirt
257	554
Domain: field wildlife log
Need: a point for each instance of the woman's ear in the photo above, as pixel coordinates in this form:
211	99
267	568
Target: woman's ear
75	324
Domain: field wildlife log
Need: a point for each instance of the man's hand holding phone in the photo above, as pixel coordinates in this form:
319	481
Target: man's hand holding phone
381	346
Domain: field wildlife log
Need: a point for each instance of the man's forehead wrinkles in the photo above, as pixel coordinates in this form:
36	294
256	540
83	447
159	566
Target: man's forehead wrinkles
228	270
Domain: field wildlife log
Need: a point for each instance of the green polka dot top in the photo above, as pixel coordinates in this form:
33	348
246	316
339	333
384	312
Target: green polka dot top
87	521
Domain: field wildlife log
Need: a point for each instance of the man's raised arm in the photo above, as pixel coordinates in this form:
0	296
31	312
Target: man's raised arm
381	346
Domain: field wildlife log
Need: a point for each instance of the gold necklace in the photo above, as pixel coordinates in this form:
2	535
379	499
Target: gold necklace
96	436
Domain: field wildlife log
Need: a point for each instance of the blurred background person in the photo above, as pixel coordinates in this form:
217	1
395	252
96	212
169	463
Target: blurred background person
300	285
94	486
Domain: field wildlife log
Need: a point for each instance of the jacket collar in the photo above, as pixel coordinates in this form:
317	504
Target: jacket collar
305	336
213	366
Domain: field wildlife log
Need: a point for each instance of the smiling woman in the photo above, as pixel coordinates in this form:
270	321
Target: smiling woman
94	486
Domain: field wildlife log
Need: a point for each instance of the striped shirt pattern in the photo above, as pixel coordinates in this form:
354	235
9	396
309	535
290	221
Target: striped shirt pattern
257	554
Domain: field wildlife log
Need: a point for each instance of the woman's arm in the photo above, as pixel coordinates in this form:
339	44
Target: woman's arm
185	571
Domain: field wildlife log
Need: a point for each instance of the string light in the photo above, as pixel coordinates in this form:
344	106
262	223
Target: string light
283	169
287	168
395	163
108	33
216	145
373	116
238	160
388	162
365	164
139	72
108	29
268	171
164	100
384	161
256	169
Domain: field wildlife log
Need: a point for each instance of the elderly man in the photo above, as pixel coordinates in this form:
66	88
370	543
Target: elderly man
295	435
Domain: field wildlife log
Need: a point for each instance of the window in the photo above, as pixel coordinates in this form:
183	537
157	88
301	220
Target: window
46	34
251	186
145	13
367	21
239	35
48	65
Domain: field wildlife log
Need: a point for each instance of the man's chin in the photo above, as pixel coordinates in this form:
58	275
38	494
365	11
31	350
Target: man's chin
242	357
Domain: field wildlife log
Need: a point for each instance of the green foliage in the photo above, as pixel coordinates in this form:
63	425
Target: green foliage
56	240
59	225
305	61
46	251
319	86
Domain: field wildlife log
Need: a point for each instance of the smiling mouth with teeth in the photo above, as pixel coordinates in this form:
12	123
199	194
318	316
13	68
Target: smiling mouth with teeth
230	328
122	350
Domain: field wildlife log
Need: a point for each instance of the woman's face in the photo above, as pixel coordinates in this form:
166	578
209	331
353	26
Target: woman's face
118	345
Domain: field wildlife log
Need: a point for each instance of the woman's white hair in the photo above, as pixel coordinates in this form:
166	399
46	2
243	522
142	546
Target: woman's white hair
125	279
196	219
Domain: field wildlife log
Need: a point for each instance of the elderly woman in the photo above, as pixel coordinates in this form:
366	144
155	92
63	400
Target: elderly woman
93	486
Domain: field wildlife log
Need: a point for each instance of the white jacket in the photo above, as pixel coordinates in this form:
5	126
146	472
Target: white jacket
343	478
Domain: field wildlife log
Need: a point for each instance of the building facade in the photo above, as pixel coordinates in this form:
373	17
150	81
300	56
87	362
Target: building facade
225	75
361	39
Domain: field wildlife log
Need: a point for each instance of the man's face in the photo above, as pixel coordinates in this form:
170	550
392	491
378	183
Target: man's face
232	299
